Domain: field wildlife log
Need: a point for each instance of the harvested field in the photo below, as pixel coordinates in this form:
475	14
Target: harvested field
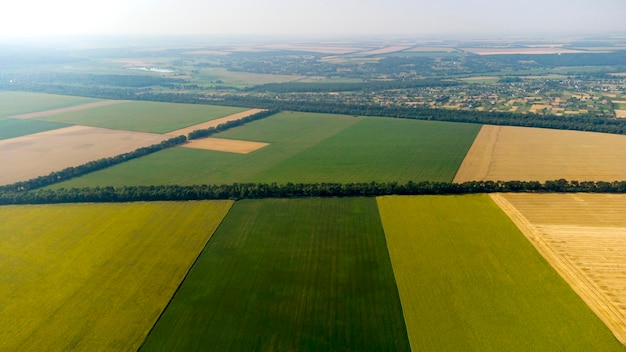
470	281
27	157
620	113
214	123
225	145
533	154
34	115
95	277
583	236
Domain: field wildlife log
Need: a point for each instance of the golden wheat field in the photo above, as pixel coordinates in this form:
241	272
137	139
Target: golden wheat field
583	236
535	154
95	277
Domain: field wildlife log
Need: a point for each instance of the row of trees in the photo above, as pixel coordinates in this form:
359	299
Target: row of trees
291	190
100	164
582	122
91	166
203	133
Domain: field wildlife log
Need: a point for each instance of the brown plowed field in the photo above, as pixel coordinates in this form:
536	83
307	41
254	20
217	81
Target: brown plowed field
39	154
214	123
535	154
34	115
583	236
225	145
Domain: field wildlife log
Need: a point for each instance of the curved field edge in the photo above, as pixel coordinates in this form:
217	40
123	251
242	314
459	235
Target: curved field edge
87	277
285	275
469	280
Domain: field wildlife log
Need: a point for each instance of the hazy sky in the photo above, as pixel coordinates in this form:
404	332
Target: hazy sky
314	17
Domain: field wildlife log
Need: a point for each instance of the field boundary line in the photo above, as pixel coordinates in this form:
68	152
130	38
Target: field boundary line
180	284
586	289
479	158
87	106
214	123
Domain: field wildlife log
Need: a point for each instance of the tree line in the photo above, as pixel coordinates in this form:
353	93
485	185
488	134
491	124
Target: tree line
581	122
206	132
91	166
237	191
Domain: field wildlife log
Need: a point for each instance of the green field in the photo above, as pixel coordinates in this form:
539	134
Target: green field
17	103
289	275
306	147
470	281
12	128
95	277
144	116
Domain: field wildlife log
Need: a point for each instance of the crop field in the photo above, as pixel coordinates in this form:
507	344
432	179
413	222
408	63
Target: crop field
285	275
584	237
39	154
533	154
214	123
527	51
12	128
306	147
144	116
243	79
225	145
469	280
95	277
16	103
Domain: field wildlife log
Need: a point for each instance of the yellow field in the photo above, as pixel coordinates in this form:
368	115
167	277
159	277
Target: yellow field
95	277
225	145
534	154
620	113
583	236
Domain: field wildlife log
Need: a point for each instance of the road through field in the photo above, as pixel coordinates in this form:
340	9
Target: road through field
583	236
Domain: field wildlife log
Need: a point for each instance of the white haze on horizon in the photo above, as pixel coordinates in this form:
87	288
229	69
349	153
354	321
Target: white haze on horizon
32	18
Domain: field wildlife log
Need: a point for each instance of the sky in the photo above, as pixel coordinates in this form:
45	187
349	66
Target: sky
315	17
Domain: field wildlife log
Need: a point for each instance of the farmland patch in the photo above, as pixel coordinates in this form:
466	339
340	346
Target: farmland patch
145	116
27	157
306	147
469	280
583	236
225	145
15	128
15	103
533	154
95	277
287	275
34	115
214	123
